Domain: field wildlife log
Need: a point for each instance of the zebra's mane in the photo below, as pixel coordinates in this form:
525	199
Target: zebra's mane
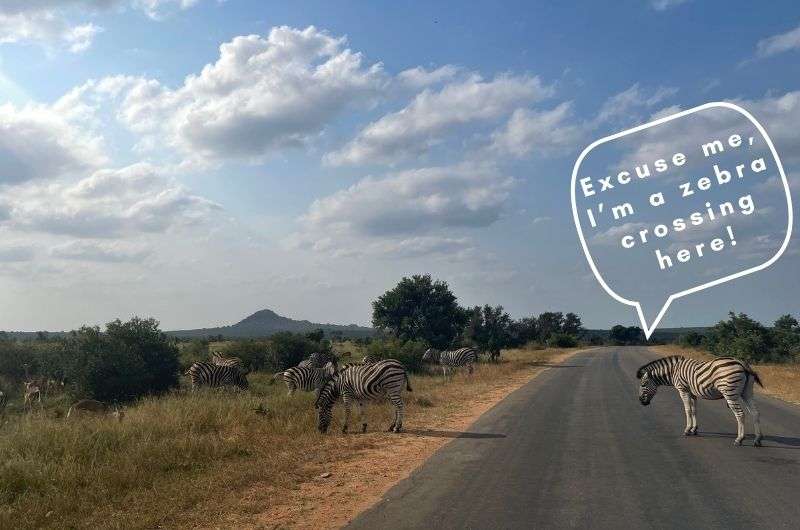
658	363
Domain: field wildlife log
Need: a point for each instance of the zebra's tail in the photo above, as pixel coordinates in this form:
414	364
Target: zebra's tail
408	383
753	373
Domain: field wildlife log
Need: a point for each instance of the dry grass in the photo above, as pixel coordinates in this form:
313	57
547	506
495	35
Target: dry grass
780	380
184	459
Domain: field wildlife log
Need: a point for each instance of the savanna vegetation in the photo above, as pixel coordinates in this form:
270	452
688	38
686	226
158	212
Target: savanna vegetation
180	457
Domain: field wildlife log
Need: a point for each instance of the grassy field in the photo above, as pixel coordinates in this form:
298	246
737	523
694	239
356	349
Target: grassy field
780	380
184	459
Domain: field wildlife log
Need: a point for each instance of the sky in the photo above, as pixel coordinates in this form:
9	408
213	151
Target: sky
198	160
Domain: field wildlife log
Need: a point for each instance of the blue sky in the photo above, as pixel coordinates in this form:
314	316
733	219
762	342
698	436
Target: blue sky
197	160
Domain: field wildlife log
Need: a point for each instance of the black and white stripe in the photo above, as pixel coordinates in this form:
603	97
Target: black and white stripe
212	375
3	402
305	378
221	360
318	360
451	359
721	378
360	383
370	358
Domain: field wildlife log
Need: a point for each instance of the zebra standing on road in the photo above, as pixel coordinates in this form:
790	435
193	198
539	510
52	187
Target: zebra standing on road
305	378
451	359
357	384
721	378
212	375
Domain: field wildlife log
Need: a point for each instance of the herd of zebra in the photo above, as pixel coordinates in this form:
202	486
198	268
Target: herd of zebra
355	383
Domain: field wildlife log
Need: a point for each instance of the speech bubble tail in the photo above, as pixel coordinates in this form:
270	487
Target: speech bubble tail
653	316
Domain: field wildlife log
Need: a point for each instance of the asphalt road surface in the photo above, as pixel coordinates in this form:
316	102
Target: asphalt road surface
574	449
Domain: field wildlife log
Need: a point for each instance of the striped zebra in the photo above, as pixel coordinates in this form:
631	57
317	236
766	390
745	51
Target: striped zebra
359	383
721	378
212	375
305	378
3	402
221	360
451	359
318	360
370	358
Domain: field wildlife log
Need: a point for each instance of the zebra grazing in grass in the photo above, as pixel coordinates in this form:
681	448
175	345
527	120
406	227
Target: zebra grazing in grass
722	378
221	360
212	375
359	383
451	359
305	378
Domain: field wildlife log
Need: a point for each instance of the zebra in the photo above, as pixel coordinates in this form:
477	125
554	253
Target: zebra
3	402
305	378
370	358
212	375
360	383
221	360
318	360
451	359
723	377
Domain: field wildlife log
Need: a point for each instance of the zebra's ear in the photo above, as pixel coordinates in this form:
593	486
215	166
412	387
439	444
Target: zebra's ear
640	372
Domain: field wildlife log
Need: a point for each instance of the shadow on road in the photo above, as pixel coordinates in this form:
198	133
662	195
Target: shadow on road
453	434
552	365
783	440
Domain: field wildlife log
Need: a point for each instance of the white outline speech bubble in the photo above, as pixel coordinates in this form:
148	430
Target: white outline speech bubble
648	330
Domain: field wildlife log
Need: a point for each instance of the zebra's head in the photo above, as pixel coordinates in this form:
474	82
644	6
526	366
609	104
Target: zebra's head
647	387
326	398
431	355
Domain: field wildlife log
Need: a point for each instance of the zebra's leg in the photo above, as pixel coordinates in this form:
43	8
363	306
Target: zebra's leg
444	371
751	406
469	367
686	398
397	401
347	405
361	417
693	411
735	404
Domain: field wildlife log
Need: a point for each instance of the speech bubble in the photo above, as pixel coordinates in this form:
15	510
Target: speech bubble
693	133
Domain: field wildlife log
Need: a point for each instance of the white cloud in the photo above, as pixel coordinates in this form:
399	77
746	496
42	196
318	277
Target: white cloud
420	125
419	77
624	106
613	235
663	5
100	251
51	22
407	212
42	142
780	43
262	94
539	132
109	204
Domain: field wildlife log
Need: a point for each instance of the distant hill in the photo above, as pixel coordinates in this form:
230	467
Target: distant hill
267	322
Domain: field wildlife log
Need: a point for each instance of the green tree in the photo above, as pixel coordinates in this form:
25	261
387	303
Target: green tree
419	308
490	329
572	325
316	336
742	337
548	323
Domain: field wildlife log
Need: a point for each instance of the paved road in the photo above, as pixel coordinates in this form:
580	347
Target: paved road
574	449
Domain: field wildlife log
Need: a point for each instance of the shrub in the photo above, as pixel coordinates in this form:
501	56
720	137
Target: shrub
562	340
692	339
129	360
409	353
742	337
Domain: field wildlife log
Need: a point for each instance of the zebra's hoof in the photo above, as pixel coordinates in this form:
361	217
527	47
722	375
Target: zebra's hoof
363	427
687	432
693	431
737	442
398	430
757	442
344	430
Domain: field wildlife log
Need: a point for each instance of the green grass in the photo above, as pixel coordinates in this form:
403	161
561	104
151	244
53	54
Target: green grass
183	458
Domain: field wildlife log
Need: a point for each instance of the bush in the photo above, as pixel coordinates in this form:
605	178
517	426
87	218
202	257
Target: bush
409	353
562	340
281	351
691	339
128	361
742	337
